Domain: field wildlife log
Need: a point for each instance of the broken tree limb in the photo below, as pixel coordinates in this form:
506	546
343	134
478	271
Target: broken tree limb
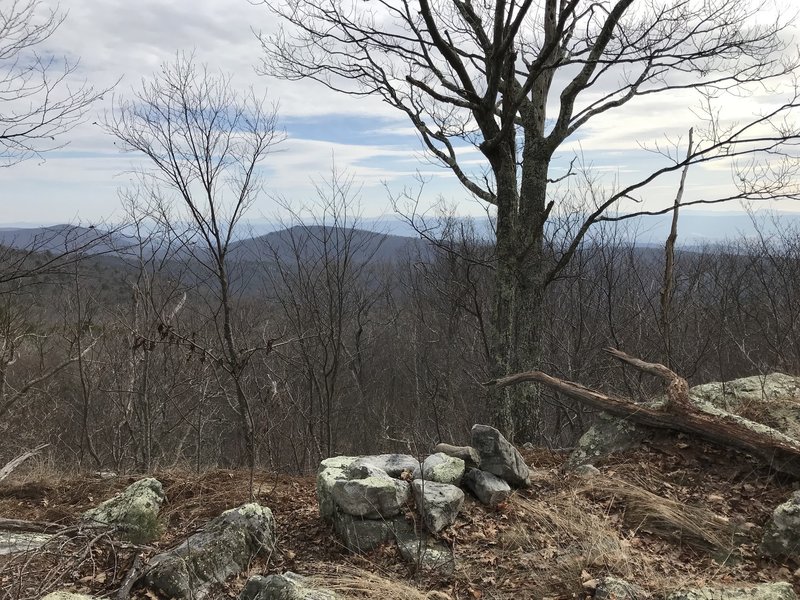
677	386
15	462
773	448
20	526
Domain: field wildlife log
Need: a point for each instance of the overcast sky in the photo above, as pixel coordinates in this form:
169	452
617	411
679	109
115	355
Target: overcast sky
120	38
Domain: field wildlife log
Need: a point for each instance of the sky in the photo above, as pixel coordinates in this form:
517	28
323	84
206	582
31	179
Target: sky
122	41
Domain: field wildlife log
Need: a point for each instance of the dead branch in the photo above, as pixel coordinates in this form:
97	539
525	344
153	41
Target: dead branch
18	525
15	462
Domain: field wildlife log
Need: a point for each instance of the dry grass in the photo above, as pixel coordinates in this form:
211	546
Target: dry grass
669	519
570	539
352	583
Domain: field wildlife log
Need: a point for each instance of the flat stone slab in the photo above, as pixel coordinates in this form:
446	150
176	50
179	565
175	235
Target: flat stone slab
393	464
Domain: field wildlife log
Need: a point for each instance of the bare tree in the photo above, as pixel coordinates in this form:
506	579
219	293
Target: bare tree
205	141
517	79
38	100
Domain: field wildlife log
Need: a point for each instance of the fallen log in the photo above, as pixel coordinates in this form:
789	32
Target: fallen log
773	448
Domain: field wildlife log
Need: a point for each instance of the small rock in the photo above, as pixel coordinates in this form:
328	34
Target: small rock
468	454
288	586
133	513
442	468
371	497
437	503
224	547
67	596
488	488
499	456
613	588
764	591
586	471
782	532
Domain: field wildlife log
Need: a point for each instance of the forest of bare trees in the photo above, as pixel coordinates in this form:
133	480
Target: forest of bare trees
359	349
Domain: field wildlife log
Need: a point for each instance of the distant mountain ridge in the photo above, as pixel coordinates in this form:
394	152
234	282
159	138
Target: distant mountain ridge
393	236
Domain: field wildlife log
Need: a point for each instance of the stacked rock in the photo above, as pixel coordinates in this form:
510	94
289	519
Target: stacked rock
363	497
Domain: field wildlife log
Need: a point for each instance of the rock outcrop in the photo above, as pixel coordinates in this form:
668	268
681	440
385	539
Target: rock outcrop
133	513
224	547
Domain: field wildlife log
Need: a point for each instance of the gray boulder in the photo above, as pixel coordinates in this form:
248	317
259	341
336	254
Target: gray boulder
442	468
613	588
133	513
782	532
498	456
223	548
468	454
374	497
437	503
426	554
393	464
488	488
764	591
288	586
67	596
607	436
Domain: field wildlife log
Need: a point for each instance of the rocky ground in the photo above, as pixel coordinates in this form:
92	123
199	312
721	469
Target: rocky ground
673	513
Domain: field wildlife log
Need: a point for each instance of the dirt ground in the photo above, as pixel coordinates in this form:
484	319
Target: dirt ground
673	514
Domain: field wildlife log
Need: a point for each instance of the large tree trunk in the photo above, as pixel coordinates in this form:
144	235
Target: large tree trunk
775	450
520	293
